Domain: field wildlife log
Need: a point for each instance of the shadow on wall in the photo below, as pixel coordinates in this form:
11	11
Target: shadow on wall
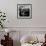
16	43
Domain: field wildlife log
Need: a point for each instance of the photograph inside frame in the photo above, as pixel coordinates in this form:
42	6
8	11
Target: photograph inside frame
24	11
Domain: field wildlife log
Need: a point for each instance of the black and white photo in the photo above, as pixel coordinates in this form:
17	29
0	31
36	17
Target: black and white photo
24	11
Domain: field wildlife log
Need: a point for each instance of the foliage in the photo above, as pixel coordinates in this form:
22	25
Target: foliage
2	19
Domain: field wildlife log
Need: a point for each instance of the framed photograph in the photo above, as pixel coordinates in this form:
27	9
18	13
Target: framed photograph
24	11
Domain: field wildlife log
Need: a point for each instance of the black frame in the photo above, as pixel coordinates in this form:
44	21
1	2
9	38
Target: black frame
24	5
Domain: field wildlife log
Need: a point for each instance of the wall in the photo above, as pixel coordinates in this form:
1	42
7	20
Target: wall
38	22
38	13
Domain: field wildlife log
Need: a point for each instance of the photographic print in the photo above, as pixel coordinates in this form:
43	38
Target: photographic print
24	11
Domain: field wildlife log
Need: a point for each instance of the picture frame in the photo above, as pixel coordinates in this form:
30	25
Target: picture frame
24	11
